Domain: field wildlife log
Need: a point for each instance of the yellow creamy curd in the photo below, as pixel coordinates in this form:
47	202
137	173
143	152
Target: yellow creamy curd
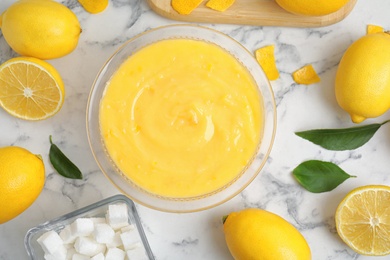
181	118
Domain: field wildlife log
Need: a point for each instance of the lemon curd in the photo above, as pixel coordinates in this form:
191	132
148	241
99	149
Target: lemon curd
181	118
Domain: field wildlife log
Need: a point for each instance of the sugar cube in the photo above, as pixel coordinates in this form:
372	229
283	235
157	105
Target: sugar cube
104	233
82	227
115	254
135	245
87	246
127	228
71	252
137	253
117	216
50	242
98	220
129	238
68	246
66	235
116	241
80	257
99	256
59	254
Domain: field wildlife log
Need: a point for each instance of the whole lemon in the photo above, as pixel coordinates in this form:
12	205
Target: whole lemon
310	7
362	84
42	29
22	176
253	234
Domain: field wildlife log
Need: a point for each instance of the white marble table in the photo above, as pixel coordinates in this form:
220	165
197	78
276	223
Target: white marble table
199	235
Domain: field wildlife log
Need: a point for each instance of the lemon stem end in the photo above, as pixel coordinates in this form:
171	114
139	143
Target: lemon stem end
224	218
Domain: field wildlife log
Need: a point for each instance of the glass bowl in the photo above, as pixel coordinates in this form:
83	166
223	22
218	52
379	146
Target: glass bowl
98	209
196	203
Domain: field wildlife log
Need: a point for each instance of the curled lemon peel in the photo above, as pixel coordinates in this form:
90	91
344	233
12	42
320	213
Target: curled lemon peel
266	58
220	5
371	28
185	6
306	75
94	6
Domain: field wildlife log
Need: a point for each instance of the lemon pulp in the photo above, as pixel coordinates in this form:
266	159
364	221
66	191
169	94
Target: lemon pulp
181	118
30	88
363	220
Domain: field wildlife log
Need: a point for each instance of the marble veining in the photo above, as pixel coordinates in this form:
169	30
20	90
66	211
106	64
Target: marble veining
199	235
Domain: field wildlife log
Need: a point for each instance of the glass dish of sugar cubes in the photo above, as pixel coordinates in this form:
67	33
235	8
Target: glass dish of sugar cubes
106	230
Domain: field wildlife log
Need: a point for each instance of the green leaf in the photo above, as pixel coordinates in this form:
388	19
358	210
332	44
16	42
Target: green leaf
319	176
62	164
341	139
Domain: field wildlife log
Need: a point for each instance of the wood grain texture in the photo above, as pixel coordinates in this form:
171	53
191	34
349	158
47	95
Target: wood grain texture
250	12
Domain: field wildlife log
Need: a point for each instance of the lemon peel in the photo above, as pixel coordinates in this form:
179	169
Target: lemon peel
306	75
220	5
372	28
94	6
365	210
266	58
185	6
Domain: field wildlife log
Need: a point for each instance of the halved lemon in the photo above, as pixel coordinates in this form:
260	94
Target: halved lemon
363	220
30	88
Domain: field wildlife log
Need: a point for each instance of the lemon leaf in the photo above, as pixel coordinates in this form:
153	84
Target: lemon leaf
341	139
319	176
62	164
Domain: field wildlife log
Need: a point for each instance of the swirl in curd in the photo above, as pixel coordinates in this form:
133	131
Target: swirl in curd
181	118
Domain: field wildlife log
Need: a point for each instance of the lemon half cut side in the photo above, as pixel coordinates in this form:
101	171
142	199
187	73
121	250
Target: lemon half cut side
30	88
363	220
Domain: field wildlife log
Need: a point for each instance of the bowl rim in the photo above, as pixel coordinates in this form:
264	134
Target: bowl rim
232	194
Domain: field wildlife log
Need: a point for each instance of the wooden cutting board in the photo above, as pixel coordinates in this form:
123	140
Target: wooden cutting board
250	12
